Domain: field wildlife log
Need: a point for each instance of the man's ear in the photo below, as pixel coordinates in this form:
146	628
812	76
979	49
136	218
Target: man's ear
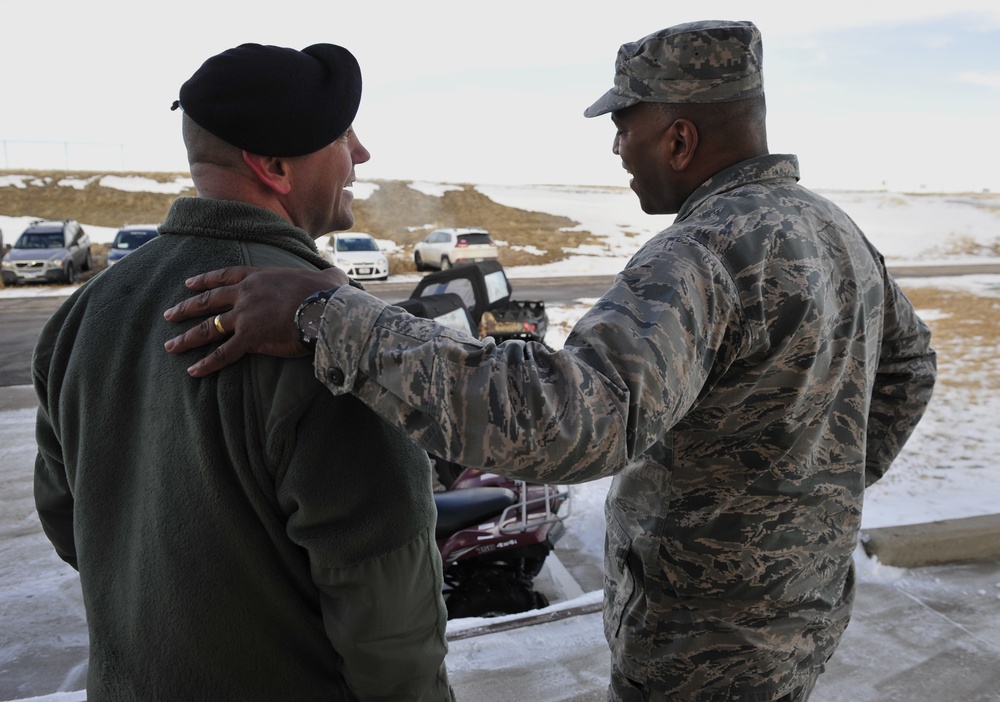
270	170
682	143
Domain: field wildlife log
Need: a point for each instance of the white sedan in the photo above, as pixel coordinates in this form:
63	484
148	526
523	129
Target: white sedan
357	254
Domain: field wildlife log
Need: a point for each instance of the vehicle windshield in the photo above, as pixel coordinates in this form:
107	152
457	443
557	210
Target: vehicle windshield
40	240
356	244
132	239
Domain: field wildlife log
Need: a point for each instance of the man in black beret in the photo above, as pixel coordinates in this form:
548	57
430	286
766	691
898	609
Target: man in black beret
249	535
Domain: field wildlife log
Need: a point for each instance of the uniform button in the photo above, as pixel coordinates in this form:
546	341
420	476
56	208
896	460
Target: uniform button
335	376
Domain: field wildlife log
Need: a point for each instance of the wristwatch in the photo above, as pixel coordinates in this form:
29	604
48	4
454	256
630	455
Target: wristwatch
309	314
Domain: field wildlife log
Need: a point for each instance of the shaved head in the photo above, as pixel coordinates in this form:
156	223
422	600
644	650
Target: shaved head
203	147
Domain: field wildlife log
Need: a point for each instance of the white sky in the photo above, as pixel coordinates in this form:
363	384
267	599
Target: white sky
869	95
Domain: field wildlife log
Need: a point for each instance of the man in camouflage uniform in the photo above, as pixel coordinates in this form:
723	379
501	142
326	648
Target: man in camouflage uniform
751	370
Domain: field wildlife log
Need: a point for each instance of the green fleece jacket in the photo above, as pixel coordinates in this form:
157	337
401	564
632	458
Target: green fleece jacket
246	536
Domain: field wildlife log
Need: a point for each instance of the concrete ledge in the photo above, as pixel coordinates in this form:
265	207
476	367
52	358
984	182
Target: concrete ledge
518	622
935	543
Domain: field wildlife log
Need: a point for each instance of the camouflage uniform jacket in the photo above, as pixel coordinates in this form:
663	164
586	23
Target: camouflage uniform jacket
745	377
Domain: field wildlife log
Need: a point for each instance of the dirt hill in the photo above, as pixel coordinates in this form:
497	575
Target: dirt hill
395	212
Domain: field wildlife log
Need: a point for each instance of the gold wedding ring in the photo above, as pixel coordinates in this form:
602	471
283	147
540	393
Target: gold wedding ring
218	325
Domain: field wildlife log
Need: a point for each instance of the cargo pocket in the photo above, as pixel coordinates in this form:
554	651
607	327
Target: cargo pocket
619	583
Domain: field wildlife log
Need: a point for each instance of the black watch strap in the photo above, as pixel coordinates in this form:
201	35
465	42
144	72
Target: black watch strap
309	315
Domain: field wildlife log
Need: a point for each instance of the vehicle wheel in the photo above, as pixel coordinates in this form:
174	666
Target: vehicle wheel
70	273
493	593
87	263
419	262
445	263
533	566
447	472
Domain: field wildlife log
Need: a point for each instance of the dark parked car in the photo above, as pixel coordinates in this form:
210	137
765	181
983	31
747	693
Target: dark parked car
128	239
48	252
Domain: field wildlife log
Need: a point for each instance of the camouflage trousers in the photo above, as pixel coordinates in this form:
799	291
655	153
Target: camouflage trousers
622	689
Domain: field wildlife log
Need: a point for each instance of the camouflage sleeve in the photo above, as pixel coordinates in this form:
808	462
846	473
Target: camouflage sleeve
669	327
903	384
632	367
473	402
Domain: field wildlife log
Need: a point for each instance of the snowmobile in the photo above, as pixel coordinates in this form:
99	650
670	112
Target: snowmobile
476	298
494	534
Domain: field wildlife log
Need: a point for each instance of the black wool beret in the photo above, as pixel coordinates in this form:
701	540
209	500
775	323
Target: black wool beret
275	101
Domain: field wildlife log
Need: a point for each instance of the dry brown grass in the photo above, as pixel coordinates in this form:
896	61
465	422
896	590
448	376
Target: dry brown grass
93	204
965	332
966	245
404	215
395	212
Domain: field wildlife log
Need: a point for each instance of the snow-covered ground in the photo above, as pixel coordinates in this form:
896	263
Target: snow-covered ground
947	470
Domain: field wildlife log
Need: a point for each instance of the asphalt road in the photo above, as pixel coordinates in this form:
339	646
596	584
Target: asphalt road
23	318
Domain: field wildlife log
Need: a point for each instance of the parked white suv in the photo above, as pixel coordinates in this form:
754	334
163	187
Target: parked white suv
48	252
444	248
357	254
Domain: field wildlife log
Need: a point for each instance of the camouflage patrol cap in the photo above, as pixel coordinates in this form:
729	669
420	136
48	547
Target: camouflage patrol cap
696	62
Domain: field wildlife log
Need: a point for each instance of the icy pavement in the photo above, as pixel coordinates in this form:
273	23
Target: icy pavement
918	635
